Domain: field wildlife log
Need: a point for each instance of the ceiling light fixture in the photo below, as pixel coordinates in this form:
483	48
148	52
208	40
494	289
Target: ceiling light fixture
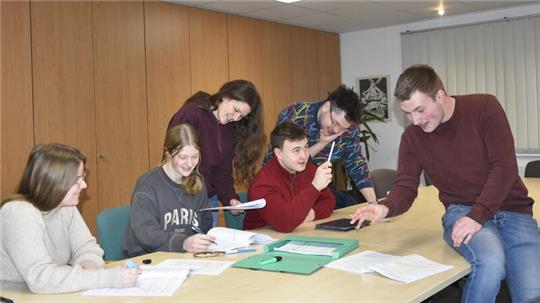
441	11
287	1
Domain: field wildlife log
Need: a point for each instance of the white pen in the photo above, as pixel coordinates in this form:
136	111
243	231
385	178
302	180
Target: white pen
331	151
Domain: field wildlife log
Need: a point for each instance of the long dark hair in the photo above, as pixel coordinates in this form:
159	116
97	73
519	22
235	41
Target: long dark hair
248	132
50	173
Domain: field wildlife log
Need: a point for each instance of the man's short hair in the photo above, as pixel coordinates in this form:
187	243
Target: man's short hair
345	99
286	131
418	77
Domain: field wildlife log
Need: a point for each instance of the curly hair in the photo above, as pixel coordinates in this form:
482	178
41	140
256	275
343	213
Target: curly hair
248	132
177	137
345	99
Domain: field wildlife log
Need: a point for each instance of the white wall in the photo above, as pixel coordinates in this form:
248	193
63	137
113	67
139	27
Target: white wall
378	52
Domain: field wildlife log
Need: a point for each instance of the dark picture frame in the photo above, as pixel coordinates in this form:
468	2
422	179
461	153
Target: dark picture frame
374	92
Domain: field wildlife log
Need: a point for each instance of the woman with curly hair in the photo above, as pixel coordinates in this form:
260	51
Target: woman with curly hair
231	134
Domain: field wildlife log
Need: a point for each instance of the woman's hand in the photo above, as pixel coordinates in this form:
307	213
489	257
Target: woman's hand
198	243
129	276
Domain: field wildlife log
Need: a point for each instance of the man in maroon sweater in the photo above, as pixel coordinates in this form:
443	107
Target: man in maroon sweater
295	189
465	145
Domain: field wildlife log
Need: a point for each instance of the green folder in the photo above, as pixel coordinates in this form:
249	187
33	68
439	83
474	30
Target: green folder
305	255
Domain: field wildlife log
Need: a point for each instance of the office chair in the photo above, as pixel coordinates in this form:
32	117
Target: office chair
532	169
236	222
383	181
111	227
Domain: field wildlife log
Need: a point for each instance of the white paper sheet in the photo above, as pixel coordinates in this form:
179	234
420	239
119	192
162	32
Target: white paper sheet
243	206
404	269
196	267
153	281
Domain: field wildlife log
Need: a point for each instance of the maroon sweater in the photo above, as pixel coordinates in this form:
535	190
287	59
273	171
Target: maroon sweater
470	159
289	198
217	144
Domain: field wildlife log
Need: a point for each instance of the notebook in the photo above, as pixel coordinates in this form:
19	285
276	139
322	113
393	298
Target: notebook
228	238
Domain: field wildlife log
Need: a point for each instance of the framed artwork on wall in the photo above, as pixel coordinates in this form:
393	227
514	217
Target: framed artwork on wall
374	92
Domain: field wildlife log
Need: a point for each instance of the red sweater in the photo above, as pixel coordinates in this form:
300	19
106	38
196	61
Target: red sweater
470	159
289	198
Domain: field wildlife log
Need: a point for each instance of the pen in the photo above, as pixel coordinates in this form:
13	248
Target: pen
238	251
199	231
331	151
271	260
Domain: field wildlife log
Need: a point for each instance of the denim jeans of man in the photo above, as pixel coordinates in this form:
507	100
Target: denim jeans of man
213	202
507	246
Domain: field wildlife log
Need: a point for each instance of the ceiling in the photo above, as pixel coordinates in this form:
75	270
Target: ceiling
348	16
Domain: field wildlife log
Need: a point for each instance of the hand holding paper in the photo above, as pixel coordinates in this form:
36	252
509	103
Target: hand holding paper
244	206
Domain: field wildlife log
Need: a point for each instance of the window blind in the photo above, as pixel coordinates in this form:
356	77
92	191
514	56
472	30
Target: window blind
501	58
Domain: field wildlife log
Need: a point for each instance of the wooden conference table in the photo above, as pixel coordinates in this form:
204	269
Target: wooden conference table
418	231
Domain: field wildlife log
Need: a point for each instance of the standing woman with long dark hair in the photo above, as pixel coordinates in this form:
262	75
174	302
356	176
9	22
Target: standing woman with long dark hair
45	242
231	133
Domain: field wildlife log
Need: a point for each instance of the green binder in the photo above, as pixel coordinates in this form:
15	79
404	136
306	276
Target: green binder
320	251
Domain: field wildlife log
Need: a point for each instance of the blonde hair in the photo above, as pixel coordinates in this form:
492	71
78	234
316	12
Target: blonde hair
51	171
177	138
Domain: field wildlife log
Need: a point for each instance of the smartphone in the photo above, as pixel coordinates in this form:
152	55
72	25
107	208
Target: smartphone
343	224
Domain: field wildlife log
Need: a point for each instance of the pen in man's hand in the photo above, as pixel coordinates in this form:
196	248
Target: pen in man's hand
331	151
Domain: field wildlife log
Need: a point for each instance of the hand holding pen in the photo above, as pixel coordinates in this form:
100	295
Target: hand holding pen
130	273
323	175
199	242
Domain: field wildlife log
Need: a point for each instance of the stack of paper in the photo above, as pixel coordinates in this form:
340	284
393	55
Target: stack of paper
228	238
404	269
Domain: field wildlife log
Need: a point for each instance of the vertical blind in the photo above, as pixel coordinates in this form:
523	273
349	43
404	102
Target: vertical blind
501	58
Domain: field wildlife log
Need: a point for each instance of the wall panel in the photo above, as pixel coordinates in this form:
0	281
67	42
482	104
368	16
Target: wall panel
329	63
167	68
120	97
16	125
305	63
208	49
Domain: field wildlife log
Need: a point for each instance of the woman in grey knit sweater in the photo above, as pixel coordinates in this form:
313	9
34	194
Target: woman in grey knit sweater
44	241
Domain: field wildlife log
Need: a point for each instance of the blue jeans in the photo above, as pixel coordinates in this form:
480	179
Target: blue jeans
213	202
507	246
342	199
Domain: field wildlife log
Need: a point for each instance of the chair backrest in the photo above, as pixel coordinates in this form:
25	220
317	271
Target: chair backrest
383	181
236	222
111	227
532	169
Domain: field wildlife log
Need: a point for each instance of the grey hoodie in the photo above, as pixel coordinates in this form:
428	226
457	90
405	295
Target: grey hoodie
162	215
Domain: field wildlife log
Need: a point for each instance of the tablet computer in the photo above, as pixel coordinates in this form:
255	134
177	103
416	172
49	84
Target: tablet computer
343	224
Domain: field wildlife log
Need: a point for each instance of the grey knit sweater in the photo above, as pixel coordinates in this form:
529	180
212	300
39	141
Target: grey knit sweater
46	250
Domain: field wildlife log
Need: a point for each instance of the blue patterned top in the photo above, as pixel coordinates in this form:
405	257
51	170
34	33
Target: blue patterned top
347	145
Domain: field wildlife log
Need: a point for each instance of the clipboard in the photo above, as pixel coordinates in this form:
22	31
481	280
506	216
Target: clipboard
299	262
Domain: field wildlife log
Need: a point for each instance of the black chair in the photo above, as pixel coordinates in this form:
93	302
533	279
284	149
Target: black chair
532	170
383	181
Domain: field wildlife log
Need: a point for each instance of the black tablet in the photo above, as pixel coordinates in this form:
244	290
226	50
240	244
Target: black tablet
343	224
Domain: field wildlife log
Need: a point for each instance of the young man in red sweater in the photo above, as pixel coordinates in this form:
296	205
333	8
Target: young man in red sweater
465	145
295	190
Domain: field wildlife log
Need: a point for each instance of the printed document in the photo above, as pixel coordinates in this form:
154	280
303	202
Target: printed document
229	238
153	281
243	206
404	269
309	248
196	267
